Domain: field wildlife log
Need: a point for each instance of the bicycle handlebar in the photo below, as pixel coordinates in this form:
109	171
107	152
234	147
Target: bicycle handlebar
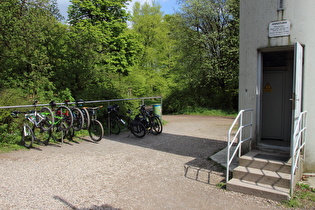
93	108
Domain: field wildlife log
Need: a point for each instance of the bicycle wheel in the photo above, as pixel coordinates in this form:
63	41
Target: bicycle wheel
47	118
86	116
27	136
58	132
144	121
78	119
69	134
114	127
156	125
64	114
137	129
96	130
41	136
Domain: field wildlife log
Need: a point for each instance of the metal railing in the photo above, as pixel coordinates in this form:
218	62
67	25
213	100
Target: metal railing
89	102
86	102
238	135
298	148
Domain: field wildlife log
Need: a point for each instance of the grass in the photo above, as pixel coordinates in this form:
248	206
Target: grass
303	197
10	147
208	112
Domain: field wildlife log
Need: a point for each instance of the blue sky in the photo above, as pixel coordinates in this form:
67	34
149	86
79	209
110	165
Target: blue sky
167	6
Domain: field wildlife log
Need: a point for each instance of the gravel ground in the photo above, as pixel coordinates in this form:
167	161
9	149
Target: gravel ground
122	172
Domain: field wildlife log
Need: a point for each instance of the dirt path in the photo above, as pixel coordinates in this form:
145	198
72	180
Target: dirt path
122	172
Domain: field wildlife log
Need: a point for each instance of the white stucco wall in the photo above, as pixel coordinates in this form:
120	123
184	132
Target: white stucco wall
255	16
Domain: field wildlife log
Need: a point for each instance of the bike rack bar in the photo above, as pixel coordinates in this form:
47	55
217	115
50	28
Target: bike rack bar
87	102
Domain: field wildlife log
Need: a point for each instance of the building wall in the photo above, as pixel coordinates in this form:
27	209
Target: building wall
255	16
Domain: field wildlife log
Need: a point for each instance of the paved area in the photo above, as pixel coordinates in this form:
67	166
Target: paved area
168	171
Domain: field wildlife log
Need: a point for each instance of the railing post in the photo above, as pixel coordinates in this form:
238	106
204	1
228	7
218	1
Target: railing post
108	119
239	134
298	146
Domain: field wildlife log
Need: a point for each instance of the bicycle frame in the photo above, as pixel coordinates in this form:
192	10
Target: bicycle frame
34	118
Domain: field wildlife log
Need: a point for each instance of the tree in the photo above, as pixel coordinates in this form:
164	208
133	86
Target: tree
25	44
100	46
156	60
208	63
106	21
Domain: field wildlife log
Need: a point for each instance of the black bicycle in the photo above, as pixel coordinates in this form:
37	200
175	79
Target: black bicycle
116	119
151	122
86	115
96	129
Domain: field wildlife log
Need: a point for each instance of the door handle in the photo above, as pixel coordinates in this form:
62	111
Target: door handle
293	101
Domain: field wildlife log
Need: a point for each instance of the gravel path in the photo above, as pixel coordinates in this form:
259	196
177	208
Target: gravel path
122	172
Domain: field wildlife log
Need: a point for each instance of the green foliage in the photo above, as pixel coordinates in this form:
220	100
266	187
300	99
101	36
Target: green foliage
189	58
153	69
303	197
207	65
207	112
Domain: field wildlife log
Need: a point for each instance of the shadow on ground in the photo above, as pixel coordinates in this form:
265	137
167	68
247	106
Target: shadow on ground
201	149
71	206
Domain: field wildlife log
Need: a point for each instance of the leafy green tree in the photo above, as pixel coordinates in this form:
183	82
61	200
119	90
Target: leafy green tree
156	60
100	46
207	68
25	44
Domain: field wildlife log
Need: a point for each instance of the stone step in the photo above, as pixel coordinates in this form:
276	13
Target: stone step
262	176
266	161
258	189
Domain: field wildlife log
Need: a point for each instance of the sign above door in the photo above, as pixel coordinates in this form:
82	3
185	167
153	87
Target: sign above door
279	28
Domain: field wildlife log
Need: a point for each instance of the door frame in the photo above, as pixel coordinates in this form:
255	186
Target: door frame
259	85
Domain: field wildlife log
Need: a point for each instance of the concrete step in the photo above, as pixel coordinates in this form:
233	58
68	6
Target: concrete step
266	161
262	176
258	189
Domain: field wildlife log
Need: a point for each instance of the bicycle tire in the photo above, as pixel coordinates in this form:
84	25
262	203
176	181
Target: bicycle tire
41	136
87	119
114	127
96	130
58	133
78	119
69	134
156	125
48	121
137	129
64	114
27	136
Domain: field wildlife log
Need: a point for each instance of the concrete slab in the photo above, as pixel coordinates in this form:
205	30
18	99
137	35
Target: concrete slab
310	180
220	157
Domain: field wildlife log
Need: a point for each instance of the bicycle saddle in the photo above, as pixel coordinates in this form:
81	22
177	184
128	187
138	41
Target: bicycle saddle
53	103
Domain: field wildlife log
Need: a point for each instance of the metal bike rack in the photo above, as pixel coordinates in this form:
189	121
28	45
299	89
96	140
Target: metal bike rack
87	102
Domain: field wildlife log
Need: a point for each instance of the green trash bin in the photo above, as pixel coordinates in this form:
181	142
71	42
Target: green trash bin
157	110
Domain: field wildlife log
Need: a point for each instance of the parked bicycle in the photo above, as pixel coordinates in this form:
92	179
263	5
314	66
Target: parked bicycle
86	115
96	130
36	125
116	119
63	121
78	118
150	121
63	116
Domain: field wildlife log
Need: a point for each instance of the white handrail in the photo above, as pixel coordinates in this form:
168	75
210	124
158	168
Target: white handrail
238	135
298	146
